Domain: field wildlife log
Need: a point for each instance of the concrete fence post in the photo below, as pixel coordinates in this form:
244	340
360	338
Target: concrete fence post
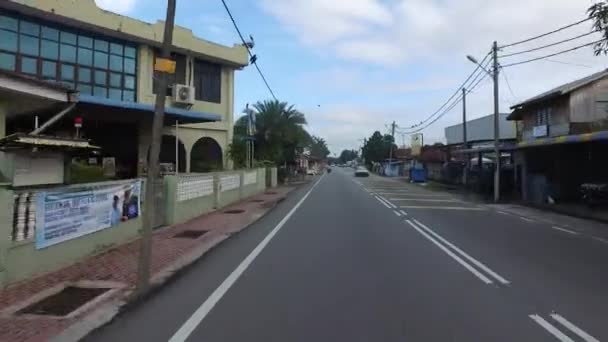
217	189
6	230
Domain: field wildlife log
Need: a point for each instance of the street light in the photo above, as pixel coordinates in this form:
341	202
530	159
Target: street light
494	75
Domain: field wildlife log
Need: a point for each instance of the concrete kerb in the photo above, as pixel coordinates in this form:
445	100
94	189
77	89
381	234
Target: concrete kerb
112	309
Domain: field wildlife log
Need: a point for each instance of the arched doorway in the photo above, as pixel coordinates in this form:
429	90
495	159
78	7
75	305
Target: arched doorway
167	152
206	156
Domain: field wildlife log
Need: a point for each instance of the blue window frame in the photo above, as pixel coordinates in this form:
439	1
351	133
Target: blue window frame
95	65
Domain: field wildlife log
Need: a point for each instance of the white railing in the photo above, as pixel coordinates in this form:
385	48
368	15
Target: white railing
230	182
193	186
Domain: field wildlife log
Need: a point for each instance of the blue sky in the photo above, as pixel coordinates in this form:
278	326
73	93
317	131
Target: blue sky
353	66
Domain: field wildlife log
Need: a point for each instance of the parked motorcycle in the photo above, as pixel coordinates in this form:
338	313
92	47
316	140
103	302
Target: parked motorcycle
594	194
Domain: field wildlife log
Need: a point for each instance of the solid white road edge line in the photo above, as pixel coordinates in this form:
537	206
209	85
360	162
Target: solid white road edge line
527	219
570	326
199	315
565	230
464	254
381	201
451	254
397	213
600	239
550	328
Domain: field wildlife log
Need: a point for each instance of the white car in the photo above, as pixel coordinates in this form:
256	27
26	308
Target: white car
310	172
361	172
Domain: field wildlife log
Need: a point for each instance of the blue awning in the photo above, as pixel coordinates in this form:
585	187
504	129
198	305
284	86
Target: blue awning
182	115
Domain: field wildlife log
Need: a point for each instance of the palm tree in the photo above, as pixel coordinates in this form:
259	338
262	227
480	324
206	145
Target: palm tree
280	132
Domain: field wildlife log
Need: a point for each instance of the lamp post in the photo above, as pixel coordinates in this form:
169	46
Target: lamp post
494	75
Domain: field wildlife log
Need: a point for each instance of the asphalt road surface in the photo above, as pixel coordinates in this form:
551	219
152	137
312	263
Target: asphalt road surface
373	259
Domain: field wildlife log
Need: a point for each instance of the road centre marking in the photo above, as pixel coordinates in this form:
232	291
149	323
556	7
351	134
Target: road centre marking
527	219
451	254
385	204
596	238
474	261
565	230
199	315
550	328
502	212
403	212
570	326
397	213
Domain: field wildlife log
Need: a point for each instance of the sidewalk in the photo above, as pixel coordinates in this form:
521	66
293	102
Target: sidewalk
116	269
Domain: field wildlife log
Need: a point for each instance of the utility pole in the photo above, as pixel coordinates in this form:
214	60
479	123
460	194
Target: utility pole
465	143
390	156
496	125
143	270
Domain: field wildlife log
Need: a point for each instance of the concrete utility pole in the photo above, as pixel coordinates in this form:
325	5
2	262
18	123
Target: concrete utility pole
465	143
390	155
496	125
143	270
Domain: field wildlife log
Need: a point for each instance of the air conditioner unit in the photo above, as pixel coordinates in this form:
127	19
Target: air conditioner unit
183	94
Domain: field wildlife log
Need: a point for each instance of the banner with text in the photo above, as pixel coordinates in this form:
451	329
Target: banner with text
70	213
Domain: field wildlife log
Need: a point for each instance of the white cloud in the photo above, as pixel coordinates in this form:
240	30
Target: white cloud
118	6
433	36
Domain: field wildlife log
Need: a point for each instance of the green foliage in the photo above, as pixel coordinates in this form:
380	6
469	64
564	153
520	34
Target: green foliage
598	12
280	135
82	173
347	155
318	147
377	147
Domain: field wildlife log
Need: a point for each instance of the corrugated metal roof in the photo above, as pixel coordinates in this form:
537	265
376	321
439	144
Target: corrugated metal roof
563	89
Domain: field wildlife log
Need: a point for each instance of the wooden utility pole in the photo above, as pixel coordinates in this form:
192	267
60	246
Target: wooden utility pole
143	270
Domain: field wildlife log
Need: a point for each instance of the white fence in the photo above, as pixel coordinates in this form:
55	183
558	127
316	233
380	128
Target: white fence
194	186
250	178
230	182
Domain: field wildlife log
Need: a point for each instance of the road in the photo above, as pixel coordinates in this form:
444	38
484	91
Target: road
374	259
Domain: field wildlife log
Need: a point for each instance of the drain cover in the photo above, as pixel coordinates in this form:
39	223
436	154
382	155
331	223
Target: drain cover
190	234
234	211
63	302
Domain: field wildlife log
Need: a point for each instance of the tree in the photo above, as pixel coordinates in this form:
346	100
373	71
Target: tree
280	135
377	147
348	155
318	148
598	12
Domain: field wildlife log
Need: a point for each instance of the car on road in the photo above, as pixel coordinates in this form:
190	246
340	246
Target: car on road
361	172
310	172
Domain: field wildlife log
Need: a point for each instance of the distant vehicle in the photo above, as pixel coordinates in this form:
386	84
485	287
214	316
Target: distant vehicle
329	170
310	172
361	172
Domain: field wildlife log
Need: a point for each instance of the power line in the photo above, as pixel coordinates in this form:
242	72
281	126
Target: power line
252	57
549	45
479	65
456	102
504	75
546	34
568	63
553	54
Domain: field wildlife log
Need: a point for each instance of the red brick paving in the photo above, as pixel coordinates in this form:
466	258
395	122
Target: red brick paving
119	264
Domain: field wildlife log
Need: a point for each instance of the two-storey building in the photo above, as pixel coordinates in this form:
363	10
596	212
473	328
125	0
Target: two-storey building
107	60
562	140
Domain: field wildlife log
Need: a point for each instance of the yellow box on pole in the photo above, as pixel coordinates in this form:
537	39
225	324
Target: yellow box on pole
165	65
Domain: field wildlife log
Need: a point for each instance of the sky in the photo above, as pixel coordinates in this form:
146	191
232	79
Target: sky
355	66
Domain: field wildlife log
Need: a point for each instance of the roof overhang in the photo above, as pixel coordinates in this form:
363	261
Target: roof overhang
172	114
23	141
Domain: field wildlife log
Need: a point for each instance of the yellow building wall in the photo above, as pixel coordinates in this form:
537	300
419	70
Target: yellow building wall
231	58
